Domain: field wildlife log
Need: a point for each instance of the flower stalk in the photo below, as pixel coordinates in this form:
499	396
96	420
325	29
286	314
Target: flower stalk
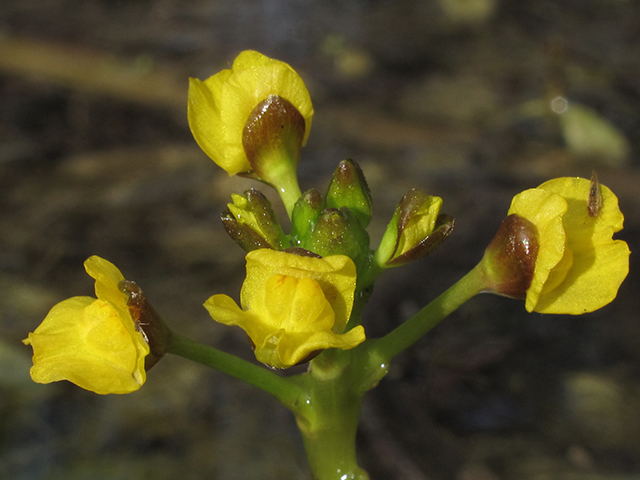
404	336
285	390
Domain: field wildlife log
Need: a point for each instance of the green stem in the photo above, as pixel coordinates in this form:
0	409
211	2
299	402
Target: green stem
283	389
412	330
328	418
288	189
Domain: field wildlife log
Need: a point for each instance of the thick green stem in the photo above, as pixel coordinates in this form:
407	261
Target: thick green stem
413	329
327	399
328	418
284	389
331	442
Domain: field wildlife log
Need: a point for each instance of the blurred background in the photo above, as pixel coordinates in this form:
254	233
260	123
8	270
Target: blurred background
470	100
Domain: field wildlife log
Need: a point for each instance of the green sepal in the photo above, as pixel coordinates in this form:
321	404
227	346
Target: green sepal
349	189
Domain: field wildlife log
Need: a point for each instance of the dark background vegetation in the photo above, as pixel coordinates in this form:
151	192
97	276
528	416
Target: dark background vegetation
450	96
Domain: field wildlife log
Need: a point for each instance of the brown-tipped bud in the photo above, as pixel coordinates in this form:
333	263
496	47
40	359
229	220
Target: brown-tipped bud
339	232
510	259
349	189
416	229
243	234
147	322
251	222
443	228
272	138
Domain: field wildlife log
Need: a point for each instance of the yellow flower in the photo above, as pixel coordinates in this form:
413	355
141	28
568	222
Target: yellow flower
219	108
91	342
293	306
579	267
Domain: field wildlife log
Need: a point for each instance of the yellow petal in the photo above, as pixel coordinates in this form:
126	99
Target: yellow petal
86	342
600	264
107	277
203	113
420	225
296	305
336	275
224	310
258	76
294	349
289	319
579	267
544	210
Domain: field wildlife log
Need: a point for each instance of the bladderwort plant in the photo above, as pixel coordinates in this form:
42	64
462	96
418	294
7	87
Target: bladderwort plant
304	292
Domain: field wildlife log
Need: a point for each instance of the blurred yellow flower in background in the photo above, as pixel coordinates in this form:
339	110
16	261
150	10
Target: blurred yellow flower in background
91	342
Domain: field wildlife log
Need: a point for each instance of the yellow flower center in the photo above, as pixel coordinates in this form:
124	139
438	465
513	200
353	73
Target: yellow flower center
297	304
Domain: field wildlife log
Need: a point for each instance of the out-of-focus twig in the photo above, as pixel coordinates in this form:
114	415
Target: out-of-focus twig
138	80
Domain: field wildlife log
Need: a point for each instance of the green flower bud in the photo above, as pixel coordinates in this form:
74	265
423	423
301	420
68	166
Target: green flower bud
416	229
305	214
339	232
349	189
250	221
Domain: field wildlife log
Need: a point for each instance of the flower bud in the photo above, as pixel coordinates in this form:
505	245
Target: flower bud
510	259
251	222
339	232
416	229
305	214
349	189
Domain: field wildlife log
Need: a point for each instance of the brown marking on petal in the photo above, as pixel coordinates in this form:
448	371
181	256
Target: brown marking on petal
409	205
594	203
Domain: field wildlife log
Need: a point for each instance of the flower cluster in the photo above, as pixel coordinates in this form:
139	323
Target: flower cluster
554	250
